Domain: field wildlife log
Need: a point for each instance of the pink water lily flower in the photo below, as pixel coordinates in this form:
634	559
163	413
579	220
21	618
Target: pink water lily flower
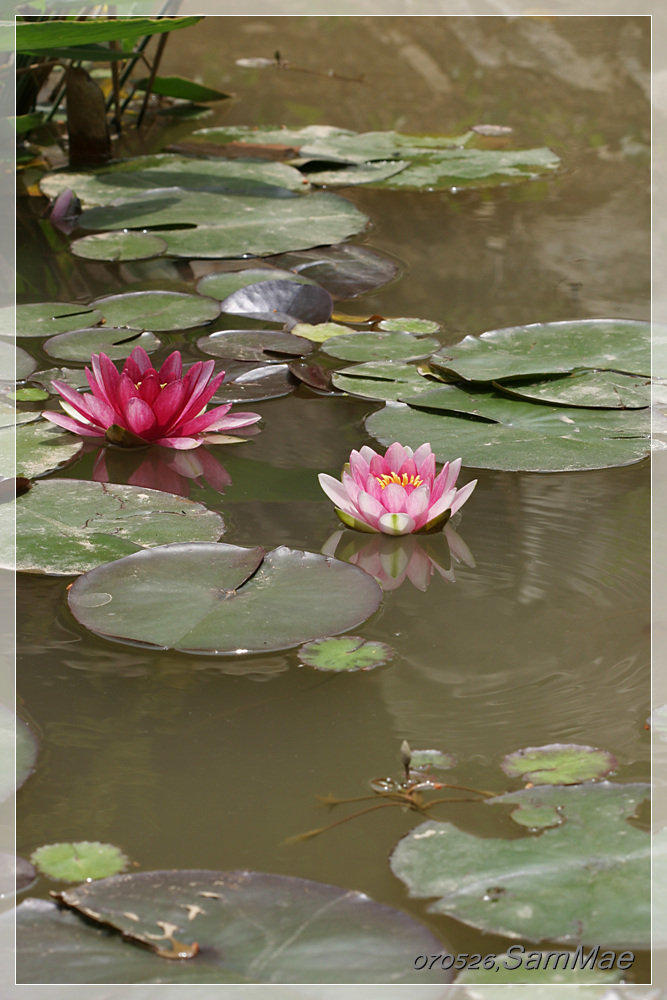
397	493
141	406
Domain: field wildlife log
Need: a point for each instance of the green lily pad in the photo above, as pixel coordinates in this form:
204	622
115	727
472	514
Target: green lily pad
549	966
408	325
40	448
15	363
347	175
559	764
16	738
524	437
319	332
146	173
434	170
28	395
10	416
222	283
607	390
238	926
232	225
161	311
180	88
423	759
83	860
74	377
345	271
388	380
117	344
45	319
67	526
347	652
36	36
216	598
384	346
254	345
587	879
119	246
550	348
537	817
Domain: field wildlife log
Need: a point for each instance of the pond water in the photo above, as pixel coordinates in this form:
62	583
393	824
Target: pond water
203	762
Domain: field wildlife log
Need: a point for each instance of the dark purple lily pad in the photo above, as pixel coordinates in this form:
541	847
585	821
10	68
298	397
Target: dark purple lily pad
559	764
238	926
254	345
200	597
280	301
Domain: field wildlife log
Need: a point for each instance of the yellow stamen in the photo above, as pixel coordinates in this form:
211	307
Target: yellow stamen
403	480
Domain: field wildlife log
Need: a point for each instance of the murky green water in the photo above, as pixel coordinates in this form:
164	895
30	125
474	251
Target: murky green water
196	762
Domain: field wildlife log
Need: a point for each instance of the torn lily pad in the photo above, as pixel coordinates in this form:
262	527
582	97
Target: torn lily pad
559	764
159	311
45	319
68	526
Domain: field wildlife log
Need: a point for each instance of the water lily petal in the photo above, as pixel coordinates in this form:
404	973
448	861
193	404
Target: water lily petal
462	495
149	388
394	498
354	522
85	430
335	490
396	524
127	390
370	509
172	368
417	503
168	405
139	418
137	363
395	455
180	443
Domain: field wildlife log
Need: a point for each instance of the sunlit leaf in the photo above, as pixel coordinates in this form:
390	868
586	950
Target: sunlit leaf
82	860
347	652
381	346
345	271
180	88
38	36
559	764
280	301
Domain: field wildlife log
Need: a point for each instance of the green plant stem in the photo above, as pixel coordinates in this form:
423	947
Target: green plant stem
156	63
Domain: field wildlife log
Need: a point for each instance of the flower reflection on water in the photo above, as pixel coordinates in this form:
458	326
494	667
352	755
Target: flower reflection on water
392	560
161	469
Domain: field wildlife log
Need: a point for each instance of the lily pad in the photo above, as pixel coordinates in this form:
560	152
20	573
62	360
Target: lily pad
232	226
16	875
525	437
15	363
28	395
409	325
264	382
67	526
74	377
559	764
423	759
82	860
345	271
388	380
537	817
585	881
347	652
119	246
435	170
224	926
15	738
319	332
146	173
606	390
254	345
40	448
347	175
45	319
281	301
161	311
10	416
117	344
384	346
545	348
223	283
215	598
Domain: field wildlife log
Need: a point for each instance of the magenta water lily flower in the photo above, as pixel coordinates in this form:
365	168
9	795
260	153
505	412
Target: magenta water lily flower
141	406
397	493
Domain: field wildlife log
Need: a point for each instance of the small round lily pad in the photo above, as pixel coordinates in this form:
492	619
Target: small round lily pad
116	343
431	758
119	246
347	652
381	346
79	861
559	764
409	325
